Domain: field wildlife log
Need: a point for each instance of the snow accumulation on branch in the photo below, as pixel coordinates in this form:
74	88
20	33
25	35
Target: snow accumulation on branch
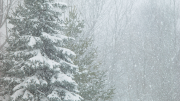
61	77
25	53
69	64
12	79
65	51
28	81
18	93
28	95
20	89
33	41
69	96
54	38
42	59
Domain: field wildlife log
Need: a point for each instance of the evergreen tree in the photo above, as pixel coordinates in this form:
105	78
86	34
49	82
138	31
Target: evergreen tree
91	80
37	66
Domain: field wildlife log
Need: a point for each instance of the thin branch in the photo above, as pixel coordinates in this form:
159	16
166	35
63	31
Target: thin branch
6	15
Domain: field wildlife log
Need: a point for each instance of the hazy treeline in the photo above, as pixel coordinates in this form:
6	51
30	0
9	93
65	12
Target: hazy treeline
138	43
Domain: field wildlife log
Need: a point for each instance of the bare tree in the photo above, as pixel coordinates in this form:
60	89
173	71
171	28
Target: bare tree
5	7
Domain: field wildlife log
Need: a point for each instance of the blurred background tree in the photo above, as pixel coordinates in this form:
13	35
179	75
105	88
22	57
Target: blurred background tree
91	80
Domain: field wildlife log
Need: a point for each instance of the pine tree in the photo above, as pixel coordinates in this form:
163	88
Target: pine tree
37	66
91	80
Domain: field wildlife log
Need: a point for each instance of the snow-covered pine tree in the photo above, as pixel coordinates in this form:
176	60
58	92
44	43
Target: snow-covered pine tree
36	65
91	80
